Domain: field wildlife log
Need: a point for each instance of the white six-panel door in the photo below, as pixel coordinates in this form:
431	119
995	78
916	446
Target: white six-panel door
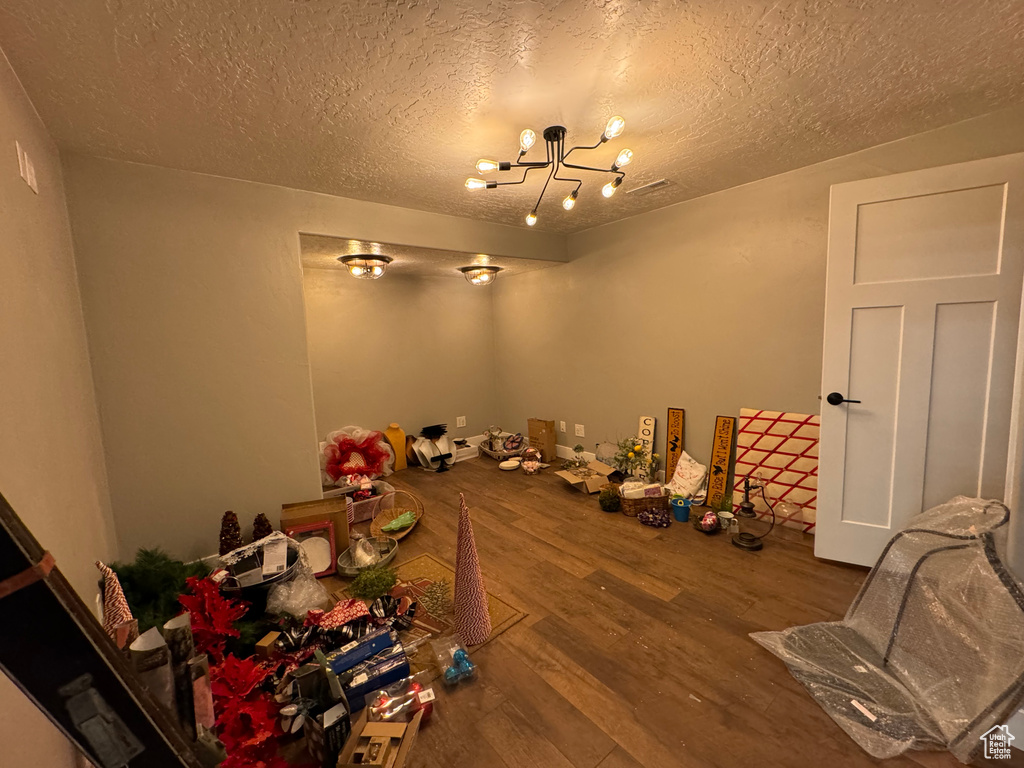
923	299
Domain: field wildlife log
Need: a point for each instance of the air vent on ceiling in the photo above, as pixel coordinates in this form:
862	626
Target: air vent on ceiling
646	189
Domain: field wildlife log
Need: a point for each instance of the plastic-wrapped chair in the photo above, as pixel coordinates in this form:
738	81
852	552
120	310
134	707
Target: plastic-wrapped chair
930	654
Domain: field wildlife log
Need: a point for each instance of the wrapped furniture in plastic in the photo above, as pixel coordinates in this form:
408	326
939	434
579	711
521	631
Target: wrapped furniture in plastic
930	654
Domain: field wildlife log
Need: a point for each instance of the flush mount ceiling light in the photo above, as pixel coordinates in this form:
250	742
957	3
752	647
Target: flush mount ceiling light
480	275
554	138
367	266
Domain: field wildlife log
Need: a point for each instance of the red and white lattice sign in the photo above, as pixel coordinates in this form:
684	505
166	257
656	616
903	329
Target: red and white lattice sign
781	448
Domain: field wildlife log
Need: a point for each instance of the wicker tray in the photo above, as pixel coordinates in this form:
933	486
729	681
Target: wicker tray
387	546
632	507
503	455
402	502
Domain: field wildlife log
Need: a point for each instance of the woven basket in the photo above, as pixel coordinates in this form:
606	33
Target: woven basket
632	507
401	502
503	455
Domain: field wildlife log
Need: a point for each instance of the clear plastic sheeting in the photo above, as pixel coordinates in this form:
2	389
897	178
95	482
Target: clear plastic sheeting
930	654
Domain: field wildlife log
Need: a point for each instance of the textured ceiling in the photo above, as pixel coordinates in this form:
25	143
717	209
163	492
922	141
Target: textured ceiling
322	252
395	101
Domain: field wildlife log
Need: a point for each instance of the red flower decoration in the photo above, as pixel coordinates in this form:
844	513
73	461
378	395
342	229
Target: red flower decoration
236	678
213	616
346	456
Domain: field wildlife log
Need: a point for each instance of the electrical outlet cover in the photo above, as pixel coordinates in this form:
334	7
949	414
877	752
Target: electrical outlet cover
580	432
460	421
561	426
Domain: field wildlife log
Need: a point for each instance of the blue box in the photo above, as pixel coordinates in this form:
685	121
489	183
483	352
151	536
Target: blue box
376	673
348	656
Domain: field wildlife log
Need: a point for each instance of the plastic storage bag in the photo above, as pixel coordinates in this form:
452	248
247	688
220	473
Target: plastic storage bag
930	654
300	595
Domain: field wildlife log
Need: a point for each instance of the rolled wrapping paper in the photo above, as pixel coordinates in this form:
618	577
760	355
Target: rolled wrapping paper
202	693
151	660
178	636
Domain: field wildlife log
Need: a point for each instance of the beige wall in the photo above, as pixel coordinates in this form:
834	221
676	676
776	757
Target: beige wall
51	453
412	349
192	289
710	305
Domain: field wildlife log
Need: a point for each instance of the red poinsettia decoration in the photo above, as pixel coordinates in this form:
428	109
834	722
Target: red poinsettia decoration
247	716
213	616
236	678
346	456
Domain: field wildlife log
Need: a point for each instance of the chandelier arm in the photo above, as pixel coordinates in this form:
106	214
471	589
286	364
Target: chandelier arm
562	155
532	164
531	168
544	188
579	147
591	168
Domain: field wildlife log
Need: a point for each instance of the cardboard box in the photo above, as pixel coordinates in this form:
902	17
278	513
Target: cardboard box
401	737
589	479
266	647
541	435
318	511
327	733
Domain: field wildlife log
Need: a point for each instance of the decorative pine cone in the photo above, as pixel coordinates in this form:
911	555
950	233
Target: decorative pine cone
230	533
261	527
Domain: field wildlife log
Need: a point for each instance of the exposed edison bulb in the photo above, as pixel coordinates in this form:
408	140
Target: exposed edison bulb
356	271
527	139
609	189
614	128
625	158
486	166
531	219
475	184
570	201
377	271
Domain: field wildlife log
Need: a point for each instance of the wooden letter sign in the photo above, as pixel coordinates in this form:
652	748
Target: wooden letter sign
675	440
721	453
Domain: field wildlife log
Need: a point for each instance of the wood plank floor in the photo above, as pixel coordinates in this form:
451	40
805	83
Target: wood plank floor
635	650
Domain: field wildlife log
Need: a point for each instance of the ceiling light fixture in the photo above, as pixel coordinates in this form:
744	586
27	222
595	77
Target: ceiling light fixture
367	266
554	138
480	275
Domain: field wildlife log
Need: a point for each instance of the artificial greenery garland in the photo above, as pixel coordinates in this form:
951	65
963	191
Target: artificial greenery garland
153	583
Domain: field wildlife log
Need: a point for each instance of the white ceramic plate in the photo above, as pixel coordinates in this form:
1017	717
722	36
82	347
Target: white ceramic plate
319	552
507	465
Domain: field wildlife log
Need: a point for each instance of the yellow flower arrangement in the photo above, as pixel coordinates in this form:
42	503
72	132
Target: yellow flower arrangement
632	458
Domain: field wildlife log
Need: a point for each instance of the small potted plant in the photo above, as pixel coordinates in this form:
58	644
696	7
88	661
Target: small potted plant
578	461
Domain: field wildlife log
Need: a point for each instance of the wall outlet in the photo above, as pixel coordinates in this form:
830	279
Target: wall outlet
460	421
580	431
561	426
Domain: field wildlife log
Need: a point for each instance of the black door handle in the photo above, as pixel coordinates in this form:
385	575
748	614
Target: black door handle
835	398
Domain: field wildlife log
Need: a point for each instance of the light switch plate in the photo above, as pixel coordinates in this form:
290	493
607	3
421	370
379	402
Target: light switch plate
460	421
580	431
30	174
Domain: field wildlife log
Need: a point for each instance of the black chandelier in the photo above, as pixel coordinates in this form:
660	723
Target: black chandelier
554	138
